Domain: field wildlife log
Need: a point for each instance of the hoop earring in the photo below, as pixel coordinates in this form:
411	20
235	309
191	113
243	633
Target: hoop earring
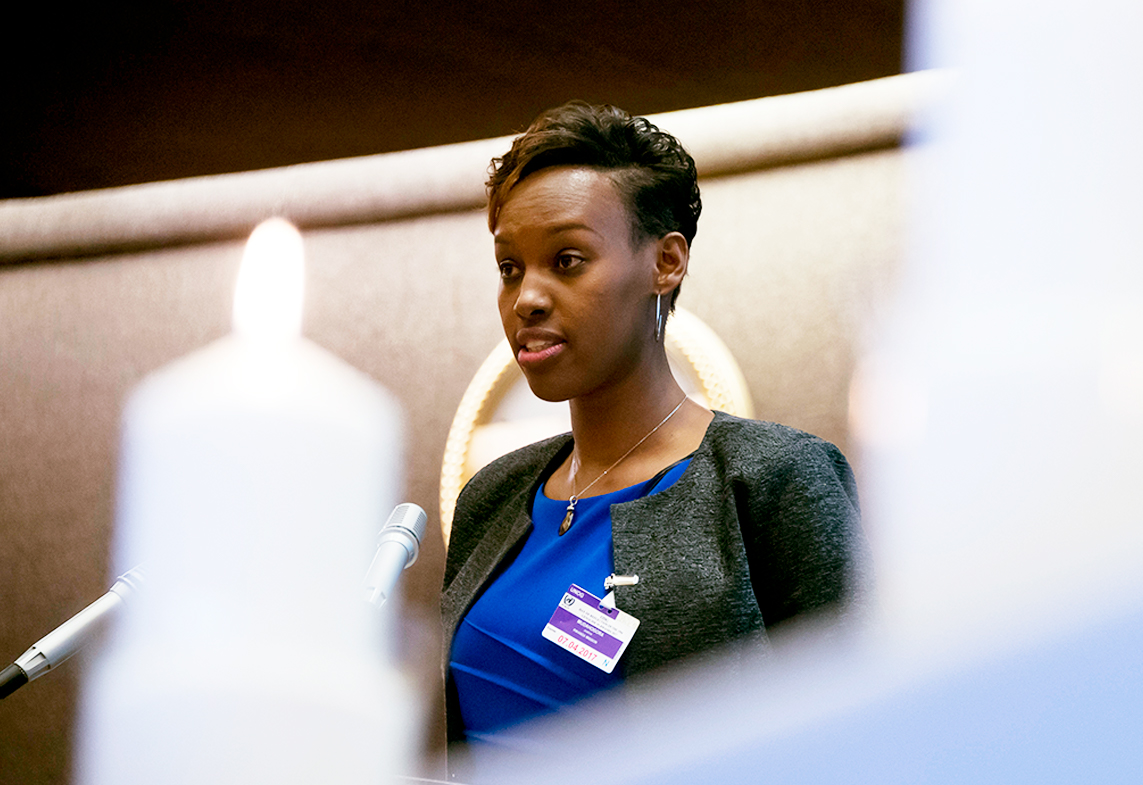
658	318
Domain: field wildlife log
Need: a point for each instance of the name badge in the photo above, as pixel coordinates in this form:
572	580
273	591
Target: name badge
596	634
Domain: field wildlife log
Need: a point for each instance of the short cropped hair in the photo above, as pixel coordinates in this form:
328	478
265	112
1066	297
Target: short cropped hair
655	175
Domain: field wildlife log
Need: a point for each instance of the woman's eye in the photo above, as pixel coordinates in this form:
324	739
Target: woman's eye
567	261
507	269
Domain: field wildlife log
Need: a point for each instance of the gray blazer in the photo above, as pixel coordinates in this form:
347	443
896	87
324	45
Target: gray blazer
762	525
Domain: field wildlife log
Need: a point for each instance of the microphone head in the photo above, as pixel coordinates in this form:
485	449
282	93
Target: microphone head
406	518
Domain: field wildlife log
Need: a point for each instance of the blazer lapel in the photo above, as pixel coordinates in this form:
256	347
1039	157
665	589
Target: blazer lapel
502	537
497	543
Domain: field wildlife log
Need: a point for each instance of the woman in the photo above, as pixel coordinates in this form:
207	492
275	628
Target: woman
731	525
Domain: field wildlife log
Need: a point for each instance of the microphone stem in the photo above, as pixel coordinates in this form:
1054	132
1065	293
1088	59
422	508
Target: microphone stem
62	642
12	678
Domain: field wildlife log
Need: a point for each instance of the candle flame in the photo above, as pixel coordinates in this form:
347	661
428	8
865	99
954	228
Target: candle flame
268	295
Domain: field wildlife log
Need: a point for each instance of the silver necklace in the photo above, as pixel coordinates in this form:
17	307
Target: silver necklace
570	516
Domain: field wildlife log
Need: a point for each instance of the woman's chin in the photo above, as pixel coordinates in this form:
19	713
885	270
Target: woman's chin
552	393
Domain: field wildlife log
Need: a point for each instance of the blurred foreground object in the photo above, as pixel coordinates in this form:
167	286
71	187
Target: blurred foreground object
1001	407
253	473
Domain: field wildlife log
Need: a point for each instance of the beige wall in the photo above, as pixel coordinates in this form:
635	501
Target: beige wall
800	238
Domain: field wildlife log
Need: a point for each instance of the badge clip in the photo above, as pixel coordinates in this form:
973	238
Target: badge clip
609	584
613	580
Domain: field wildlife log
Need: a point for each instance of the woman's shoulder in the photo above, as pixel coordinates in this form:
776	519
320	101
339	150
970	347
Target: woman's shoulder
737	436
771	455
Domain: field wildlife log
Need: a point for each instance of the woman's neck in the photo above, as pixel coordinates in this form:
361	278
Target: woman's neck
605	430
609	423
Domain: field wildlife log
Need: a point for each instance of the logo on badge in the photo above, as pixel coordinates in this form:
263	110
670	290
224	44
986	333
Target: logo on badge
568	600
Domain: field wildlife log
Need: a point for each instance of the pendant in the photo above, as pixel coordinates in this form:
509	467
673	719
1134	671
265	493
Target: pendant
567	519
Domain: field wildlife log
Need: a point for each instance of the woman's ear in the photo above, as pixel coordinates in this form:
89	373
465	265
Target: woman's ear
671	264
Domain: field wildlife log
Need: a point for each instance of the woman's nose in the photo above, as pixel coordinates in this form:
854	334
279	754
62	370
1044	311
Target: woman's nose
533	298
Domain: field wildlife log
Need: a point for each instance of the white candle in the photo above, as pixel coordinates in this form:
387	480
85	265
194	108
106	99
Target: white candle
254	476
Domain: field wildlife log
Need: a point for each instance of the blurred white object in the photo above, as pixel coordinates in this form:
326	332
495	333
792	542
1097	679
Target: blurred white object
252	476
1002	497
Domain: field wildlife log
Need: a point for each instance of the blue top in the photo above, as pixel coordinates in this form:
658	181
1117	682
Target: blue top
504	670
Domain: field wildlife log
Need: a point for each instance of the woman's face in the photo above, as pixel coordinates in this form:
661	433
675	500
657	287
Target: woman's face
576	294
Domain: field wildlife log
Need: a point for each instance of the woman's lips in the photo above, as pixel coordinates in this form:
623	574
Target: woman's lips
539	354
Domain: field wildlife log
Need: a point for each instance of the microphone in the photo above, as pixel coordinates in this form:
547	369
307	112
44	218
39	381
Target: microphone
65	640
397	547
